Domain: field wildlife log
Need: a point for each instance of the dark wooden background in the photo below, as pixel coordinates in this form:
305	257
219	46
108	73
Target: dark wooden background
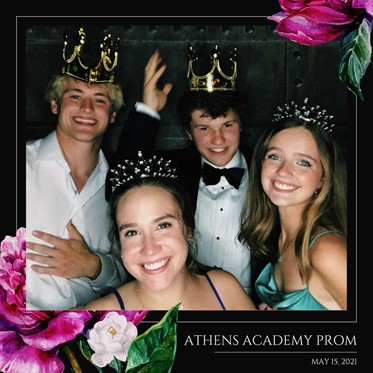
271	70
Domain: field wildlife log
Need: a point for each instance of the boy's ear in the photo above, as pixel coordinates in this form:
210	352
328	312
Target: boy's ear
112	117
54	107
190	137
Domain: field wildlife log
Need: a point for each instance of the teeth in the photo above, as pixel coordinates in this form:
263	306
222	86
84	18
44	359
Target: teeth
284	186
218	150
154	266
84	120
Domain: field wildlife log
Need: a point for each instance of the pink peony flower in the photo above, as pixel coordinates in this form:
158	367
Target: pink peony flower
315	22
29	340
37	352
364	4
12	274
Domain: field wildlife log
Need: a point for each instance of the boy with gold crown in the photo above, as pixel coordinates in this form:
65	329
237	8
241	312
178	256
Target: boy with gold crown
214	167
70	260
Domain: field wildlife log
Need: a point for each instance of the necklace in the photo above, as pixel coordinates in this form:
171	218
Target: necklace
145	307
139	298
284	250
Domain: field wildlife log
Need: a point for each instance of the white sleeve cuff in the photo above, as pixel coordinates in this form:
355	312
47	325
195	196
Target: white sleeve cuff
145	109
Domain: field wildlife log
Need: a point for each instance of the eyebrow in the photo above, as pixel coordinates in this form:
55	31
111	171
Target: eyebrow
232	120
298	154
156	220
167	216
78	90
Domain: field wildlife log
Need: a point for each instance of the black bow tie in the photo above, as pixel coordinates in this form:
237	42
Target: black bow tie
212	175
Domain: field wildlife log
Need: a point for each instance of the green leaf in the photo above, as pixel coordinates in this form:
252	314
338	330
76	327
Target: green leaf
116	364
154	351
356	52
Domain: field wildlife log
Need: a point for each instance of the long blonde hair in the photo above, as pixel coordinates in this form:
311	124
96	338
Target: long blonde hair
260	224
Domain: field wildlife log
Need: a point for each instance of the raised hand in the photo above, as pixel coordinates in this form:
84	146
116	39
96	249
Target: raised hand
153	96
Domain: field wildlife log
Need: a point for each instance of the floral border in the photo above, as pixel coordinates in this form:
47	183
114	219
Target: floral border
49	341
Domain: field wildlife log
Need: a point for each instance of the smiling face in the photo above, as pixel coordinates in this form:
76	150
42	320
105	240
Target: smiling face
152	235
291	169
84	111
217	139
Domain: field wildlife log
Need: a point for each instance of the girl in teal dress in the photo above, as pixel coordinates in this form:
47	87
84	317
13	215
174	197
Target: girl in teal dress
295	214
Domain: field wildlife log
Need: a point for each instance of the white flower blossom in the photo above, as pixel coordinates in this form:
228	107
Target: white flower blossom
111	338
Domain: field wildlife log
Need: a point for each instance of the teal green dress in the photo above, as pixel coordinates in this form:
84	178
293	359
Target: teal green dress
270	294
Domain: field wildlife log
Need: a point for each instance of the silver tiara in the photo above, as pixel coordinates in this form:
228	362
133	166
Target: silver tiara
129	170
311	114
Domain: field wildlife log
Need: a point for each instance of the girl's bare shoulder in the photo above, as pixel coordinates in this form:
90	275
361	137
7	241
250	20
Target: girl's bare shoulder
328	248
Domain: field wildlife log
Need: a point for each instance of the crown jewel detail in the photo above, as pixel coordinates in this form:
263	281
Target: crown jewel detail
103	72
215	79
129	170
311	114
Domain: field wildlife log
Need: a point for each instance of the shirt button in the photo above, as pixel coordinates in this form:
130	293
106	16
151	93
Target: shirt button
221	209
218	238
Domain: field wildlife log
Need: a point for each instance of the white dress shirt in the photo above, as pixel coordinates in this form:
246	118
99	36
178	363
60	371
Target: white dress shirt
218	222
51	201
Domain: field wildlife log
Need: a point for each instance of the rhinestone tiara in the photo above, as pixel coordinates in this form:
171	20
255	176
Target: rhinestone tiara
311	114
130	170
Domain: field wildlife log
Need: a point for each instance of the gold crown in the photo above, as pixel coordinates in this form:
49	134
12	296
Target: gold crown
215	79
103	72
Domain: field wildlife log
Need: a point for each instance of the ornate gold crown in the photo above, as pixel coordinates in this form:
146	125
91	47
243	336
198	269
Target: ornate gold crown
103	72
215	79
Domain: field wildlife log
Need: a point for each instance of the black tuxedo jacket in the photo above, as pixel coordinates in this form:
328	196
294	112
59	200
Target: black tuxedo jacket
139	133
